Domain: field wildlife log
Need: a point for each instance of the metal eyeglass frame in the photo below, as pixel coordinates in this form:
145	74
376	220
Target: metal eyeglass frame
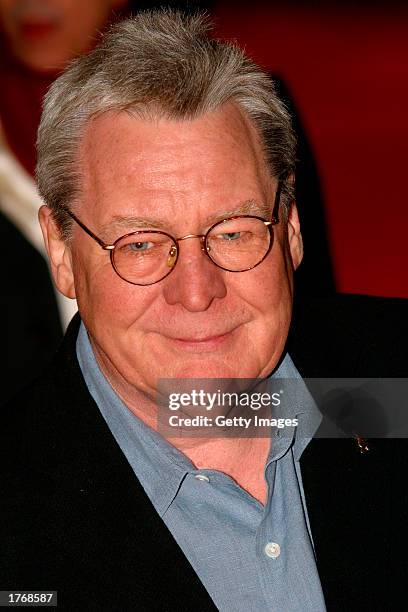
203	237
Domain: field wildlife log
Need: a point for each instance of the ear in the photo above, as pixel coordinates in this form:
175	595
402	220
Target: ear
59	253
294	236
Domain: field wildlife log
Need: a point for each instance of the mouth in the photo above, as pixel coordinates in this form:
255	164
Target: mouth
203	343
37	22
33	29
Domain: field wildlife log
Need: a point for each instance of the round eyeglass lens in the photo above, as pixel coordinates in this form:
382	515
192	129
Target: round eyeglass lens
238	244
144	258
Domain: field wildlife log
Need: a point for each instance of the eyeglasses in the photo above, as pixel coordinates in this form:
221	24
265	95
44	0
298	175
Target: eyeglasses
145	257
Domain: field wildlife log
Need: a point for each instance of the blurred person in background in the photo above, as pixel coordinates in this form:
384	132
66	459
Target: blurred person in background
38	38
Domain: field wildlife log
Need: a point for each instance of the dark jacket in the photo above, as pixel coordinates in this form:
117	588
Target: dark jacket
31	328
75	519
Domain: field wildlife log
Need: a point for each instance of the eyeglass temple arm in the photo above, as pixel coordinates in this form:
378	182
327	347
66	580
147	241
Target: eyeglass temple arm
275	212
107	247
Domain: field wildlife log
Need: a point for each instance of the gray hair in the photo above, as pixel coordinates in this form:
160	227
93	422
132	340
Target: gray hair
158	63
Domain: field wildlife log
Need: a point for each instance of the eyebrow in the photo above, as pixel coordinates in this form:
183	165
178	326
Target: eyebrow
119	222
249	207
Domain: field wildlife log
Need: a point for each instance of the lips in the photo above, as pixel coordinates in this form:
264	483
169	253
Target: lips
37	30
200	343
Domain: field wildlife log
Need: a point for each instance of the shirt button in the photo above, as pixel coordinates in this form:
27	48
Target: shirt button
202	477
272	550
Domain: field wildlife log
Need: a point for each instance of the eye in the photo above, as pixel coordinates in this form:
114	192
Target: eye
237	237
139	246
231	235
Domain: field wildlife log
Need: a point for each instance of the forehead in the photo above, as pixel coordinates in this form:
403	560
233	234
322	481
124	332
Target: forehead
165	168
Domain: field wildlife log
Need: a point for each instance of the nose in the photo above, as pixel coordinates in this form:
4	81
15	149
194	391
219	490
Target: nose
195	282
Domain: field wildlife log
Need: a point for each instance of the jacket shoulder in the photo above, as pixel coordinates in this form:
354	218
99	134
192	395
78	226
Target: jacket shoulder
346	335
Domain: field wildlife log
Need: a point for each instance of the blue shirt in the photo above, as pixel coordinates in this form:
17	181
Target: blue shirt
249	557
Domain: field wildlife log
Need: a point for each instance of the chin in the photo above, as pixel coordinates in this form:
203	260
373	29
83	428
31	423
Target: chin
209	368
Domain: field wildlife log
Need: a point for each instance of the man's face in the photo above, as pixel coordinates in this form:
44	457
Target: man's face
200	321
46	34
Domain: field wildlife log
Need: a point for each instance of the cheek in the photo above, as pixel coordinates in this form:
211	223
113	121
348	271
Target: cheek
8	25
105	301
270	297
82	21
268	288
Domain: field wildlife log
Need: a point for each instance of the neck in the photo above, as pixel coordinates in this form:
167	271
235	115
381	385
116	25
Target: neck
243	459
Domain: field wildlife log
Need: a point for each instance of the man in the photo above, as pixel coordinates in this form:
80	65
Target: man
166	163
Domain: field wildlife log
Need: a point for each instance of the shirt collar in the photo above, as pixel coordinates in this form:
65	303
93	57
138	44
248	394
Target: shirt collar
296	402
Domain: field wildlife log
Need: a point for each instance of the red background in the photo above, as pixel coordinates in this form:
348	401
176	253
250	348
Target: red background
347	71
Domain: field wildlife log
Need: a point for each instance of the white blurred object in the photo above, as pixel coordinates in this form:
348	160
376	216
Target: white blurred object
19	202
